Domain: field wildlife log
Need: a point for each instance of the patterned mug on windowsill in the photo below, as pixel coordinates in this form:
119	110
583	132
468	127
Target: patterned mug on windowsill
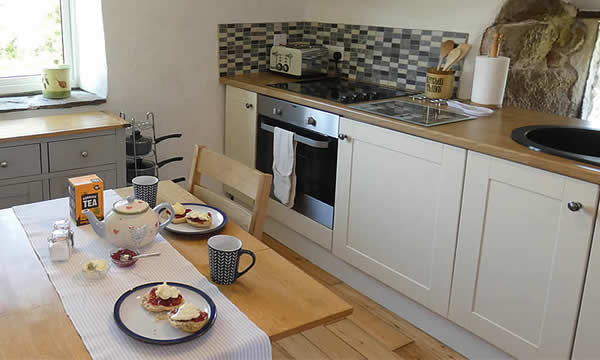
56	82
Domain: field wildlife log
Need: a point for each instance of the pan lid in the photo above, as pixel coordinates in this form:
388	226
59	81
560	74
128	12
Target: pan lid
130	206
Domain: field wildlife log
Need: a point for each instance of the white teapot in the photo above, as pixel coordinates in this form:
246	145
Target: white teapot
131	223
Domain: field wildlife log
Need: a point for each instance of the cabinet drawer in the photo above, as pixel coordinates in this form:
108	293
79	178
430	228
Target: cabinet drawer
79	153
59	186
19	194
18	161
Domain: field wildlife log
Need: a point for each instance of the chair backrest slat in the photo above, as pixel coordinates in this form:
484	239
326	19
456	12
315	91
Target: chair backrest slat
250	182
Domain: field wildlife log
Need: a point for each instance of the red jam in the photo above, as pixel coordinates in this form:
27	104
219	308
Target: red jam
201	221
177	216
116	257
203	316
155	300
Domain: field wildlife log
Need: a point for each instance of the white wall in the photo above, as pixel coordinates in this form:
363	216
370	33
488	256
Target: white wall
470	16
162	57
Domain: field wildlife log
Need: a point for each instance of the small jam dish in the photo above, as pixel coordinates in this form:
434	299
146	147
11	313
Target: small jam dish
123	257
94	269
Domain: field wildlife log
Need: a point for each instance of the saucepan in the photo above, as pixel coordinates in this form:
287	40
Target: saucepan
146	167
143	144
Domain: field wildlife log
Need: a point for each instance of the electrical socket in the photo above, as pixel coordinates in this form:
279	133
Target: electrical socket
333	49
280	39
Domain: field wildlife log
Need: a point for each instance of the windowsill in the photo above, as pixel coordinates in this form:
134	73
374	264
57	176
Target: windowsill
34	102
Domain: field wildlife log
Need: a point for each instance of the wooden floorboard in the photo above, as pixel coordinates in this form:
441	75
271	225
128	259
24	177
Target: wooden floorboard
279	353
371	332
362	342
331	345
388	335
300	348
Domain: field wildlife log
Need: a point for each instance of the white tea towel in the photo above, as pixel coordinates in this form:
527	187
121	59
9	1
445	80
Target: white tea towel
470	109
89	303
284	166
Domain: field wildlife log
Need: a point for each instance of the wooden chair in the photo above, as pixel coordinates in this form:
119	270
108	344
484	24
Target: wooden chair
249	182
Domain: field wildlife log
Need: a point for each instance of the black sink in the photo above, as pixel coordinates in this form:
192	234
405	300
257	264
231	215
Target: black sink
577	143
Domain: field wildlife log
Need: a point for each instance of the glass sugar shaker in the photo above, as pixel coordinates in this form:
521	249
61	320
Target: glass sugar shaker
65	224
60	245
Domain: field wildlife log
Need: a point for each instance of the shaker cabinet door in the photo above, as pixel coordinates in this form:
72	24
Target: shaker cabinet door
397	208
240	125
19	194
521	256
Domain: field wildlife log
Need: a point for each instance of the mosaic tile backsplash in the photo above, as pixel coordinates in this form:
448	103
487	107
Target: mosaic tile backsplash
385	55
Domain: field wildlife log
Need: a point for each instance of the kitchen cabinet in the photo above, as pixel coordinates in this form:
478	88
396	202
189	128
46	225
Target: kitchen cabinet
588	326
240	125
240	133
16	161
59	186
19	194
36	166
397	209
521	256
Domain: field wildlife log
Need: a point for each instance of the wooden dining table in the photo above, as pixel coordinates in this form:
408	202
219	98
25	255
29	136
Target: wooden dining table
276	295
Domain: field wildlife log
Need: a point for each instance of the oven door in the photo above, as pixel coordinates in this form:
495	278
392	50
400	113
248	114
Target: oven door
316	161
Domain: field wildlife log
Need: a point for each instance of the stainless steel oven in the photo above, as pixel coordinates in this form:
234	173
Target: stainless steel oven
316	134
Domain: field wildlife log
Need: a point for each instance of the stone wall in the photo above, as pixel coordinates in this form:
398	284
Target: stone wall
544	40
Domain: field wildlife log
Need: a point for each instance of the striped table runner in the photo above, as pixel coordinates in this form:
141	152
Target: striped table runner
89	304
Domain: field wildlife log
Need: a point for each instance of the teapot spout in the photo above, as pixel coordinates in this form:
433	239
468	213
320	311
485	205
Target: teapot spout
97	225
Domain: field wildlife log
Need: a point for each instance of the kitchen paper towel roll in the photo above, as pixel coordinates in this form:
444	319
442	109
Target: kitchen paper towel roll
489	80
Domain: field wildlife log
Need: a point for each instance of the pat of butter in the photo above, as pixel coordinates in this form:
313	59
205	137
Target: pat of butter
179	209
166	292
94	266
186	312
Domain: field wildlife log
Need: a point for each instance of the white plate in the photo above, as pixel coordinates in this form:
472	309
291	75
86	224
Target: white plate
150	327
219	219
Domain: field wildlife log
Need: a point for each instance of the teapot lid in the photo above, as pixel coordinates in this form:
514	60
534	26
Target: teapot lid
130	206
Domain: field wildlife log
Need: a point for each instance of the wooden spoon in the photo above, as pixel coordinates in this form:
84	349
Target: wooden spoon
452	58
464	50
445	49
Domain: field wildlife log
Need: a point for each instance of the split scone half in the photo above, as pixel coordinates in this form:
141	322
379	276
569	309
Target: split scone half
188	317
180	213
162	298
198	219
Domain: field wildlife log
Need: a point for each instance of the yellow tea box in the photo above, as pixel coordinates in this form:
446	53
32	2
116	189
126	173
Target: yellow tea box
86	192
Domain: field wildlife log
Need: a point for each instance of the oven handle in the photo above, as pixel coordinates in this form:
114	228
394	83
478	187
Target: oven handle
299	138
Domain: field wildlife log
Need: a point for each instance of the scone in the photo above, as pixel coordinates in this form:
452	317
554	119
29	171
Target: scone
162	298
198	219
180	212
188	318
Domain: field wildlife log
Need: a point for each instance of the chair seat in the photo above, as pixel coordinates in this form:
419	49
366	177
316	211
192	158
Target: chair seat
235	212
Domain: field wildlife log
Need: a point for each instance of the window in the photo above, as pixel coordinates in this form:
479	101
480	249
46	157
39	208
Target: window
33	34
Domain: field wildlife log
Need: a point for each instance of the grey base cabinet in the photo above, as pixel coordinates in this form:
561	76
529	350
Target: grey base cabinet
38	169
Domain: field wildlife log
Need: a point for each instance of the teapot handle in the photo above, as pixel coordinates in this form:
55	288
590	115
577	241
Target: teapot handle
167	206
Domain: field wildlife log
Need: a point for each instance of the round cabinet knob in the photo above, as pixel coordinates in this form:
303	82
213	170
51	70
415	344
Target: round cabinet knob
84	154
342	136
249	106
311	121
286	67
3	164
574	206
279	66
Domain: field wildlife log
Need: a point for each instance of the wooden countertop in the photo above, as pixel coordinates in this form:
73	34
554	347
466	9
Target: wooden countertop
44	126
276	295
489	135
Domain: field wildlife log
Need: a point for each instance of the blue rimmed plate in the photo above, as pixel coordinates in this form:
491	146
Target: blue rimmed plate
218	223
154	328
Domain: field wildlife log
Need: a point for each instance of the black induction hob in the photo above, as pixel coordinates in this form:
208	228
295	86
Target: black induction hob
341	90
